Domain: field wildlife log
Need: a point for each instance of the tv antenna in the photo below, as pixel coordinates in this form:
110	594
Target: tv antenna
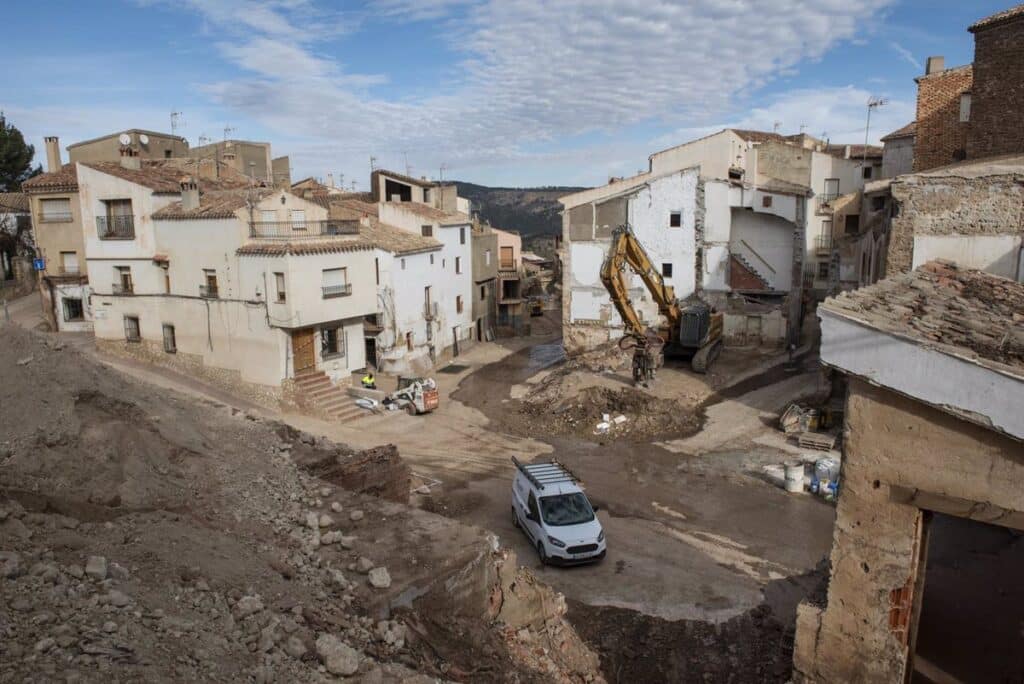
442	170
775	126
228	130
873	103
176	122
408	169
204	139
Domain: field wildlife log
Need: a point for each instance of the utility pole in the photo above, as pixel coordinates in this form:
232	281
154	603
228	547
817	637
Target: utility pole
408	169
373	163
873	103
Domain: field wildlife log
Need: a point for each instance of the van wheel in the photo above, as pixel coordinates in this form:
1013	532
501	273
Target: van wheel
540	552
515	518
410	408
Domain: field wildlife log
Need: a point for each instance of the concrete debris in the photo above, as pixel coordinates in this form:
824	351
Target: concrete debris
96	567
379	578
325	520
338	657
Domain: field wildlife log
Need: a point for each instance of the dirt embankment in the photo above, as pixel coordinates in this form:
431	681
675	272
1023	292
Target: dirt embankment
146	536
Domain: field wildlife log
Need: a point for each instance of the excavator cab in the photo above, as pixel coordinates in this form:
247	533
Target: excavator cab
693	326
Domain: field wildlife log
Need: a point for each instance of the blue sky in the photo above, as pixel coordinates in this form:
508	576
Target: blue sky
500	92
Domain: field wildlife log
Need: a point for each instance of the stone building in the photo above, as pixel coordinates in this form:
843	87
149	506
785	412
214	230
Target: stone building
974	111
926	557
971	213
898	151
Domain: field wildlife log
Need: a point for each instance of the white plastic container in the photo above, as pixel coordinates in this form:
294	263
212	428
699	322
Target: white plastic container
794	476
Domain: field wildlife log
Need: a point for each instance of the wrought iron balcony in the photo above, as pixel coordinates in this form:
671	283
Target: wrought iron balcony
208	291
115	227
825	201
337	290
823	244
292	230
122	289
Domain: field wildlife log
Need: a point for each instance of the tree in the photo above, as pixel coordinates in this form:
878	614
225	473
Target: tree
15	158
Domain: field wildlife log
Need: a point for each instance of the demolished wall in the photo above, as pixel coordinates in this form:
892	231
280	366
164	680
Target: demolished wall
900	457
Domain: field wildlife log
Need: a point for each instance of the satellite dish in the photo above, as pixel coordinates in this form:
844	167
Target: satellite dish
143	138
125	139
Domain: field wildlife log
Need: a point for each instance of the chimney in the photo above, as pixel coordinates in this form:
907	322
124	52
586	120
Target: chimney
130	158
52	153
846	151
189	194
330	180
934	65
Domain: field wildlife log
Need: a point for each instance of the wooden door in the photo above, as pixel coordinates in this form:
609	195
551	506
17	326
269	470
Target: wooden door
303	354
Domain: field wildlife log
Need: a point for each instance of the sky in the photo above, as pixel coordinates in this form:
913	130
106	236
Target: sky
497	92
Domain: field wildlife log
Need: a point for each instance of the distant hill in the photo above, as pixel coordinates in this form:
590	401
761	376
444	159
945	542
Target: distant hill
531	211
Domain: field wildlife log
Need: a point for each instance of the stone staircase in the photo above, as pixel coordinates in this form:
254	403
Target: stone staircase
318	394
753	272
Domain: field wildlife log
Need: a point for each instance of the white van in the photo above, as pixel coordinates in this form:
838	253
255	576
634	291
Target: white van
549	506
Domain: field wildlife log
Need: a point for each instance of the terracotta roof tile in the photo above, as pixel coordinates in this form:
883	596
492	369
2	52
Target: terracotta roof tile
432	213
395	240
165	176
997	18
218	204
856	151
14	202
909	130
959	311
307	246
66	179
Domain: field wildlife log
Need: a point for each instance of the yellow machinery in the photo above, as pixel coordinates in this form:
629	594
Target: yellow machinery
692	329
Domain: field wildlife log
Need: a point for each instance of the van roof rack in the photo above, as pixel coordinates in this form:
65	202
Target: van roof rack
541	474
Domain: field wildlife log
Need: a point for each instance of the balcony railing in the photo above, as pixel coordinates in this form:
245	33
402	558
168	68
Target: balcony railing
823	244
208	291
508	265
337	290
825	200
122	289
115	227
292	230
55	217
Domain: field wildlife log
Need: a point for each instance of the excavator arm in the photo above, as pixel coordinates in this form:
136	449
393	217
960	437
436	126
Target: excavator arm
625	251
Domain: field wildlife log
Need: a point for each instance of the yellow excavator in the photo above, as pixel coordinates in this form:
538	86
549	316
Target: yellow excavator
692	328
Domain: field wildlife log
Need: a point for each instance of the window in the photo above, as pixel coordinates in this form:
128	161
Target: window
867	172
507	258
170	341
487	257
167	281
69	263
851	224
877	203
408	341
376	270
458	304
209	287
444	263
73	309
282	293
403	264
335	283
123	280
831	189
462	236
332	343
458	264
55	209
965	107
766	200
131	329
431	259
822	270
167	154
117	221
426	195
298	219
426	302
666	270
675	219
427	230
483	292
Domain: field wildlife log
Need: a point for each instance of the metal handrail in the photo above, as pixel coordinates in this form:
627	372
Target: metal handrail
290	230
115	227
208	291
122	288
823	242
337	290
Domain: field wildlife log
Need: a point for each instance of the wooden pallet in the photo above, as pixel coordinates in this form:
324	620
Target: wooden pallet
816	440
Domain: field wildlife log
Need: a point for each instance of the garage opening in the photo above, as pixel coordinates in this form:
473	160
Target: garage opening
971	626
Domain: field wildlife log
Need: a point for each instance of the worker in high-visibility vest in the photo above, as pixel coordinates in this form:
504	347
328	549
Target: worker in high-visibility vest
369	382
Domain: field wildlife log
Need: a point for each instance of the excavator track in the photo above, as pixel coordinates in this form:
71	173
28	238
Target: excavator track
705	356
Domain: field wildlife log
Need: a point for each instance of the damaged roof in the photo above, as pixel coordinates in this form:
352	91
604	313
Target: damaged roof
64	180
1003	165
445	218
997	18
959	311
856	151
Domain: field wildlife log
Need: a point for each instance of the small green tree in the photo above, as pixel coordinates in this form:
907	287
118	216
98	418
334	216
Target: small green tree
15	158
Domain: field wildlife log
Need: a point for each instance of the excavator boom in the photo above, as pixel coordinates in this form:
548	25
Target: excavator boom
625	251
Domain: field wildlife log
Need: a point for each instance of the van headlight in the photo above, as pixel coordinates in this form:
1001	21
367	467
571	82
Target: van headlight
600	537
556	542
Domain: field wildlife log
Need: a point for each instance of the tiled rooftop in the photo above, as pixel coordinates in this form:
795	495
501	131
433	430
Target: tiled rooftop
958	311
997	18
13	202
905	132
165	176
304	246
396	240
218	204
65	180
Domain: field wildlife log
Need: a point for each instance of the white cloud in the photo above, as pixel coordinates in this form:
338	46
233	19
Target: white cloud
906	54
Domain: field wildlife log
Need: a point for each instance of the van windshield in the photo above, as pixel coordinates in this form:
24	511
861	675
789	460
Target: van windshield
566	509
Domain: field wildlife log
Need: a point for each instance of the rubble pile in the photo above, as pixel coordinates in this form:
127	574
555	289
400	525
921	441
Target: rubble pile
623	413
146	536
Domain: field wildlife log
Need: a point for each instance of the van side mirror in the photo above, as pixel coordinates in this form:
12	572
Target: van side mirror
596	508
531	517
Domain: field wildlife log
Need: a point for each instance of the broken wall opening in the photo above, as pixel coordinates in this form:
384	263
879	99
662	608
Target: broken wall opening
971	624
395	191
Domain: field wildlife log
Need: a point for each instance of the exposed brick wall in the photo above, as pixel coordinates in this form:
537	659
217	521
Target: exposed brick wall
742	278
940	133
997	96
